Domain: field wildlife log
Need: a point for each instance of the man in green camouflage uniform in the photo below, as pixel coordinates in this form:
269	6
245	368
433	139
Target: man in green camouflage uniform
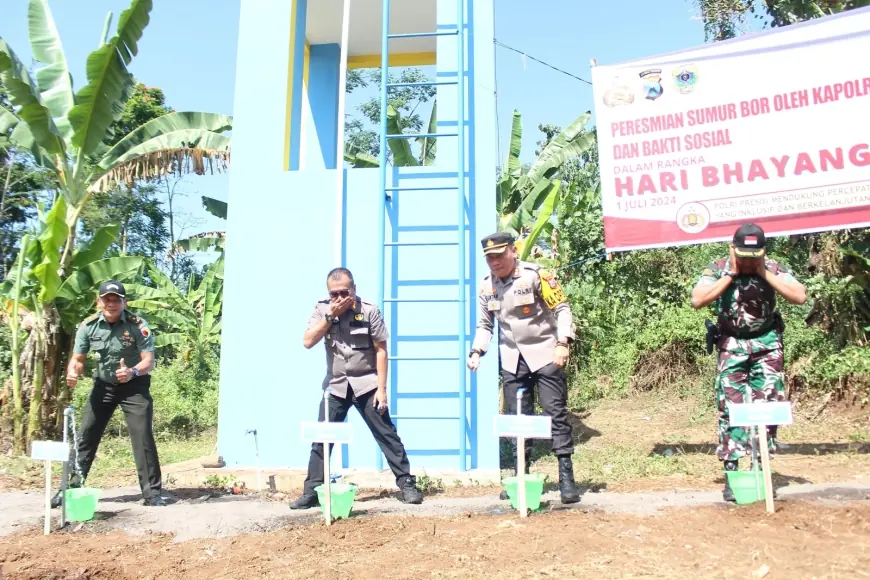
744	287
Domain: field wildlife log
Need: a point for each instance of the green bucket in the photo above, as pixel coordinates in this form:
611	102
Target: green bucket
534	489
745	486
81	503
341	496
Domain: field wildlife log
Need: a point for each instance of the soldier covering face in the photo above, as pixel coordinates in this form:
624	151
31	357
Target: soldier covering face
744	287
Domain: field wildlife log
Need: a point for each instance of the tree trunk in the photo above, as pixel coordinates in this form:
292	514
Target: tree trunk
14	325
34	424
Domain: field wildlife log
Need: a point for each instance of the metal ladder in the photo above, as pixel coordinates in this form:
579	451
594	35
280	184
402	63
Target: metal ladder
389	192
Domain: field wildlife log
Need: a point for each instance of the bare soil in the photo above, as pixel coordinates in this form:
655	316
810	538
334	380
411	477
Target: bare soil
801	540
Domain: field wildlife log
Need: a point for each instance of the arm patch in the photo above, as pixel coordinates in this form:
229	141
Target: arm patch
551	291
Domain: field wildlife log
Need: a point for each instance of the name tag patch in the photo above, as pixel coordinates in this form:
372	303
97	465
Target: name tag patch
524	295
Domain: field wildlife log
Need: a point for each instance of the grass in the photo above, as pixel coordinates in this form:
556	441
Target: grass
114	464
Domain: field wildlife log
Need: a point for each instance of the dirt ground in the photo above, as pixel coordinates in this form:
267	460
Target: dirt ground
801	540
638	454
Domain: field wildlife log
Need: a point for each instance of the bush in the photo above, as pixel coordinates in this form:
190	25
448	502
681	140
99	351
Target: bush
185	394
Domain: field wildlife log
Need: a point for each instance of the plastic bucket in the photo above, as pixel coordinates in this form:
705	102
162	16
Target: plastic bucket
341	495
745	486
534	488
81	503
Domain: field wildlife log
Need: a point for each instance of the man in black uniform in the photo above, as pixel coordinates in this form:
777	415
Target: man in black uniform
125	346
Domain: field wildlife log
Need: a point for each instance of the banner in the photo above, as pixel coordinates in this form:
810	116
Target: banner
772	129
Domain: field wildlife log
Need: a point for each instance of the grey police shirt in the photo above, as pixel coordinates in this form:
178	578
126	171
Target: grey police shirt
350	351
533	315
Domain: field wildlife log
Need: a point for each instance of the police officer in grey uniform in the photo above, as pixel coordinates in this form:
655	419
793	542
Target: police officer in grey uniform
356	375
535	332
125	346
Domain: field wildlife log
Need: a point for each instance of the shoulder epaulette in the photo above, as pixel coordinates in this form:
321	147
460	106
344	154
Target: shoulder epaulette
530	266
132	317
326	301
91	318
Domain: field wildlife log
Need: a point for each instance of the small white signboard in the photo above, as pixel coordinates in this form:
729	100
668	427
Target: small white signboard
757	414
49	451
326	432
525	426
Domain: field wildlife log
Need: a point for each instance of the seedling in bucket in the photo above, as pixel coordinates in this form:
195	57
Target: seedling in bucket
760	415
523	427
327	432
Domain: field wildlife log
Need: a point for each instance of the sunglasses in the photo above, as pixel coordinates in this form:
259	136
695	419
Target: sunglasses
340	293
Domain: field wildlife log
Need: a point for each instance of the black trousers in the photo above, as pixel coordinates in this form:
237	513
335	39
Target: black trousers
135	401
552	395
381	427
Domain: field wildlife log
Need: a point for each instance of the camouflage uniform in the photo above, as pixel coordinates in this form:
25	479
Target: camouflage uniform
750	350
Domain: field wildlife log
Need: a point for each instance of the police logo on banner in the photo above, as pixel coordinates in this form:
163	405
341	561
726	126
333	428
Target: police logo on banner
618	94
652	83
685	78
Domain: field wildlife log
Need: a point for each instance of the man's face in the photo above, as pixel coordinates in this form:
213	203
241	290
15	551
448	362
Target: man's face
340	288
503	264
111	305
748	265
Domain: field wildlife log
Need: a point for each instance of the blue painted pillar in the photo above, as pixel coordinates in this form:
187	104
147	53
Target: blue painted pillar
296	66
322	128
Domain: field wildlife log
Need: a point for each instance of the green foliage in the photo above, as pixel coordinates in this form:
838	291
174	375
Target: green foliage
361	134
140	215
144	104
724	19
185	397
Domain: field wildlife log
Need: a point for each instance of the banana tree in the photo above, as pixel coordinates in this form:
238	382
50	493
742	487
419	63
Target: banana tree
527	201
35	283
403	155
66	131
188	322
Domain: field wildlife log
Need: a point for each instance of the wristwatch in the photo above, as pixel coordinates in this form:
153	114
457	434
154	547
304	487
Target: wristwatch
330	318
135	372
476	351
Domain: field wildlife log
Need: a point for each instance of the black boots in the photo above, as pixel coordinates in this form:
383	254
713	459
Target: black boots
410	493
567	487
307	500
407	489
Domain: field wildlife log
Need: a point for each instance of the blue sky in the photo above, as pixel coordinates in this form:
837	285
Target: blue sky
189	50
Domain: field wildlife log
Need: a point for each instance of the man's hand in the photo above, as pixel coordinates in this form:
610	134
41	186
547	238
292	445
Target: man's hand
760	268
732	259
379	401
72	379
123	373
560	357
340	306
473	361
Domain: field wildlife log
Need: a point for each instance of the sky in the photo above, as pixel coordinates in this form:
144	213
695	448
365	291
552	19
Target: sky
189	51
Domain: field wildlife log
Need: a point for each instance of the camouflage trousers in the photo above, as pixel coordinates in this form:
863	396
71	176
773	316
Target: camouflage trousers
741	370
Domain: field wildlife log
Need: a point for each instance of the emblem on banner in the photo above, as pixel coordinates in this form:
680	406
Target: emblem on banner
693	218
619	93
652	83
685	78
